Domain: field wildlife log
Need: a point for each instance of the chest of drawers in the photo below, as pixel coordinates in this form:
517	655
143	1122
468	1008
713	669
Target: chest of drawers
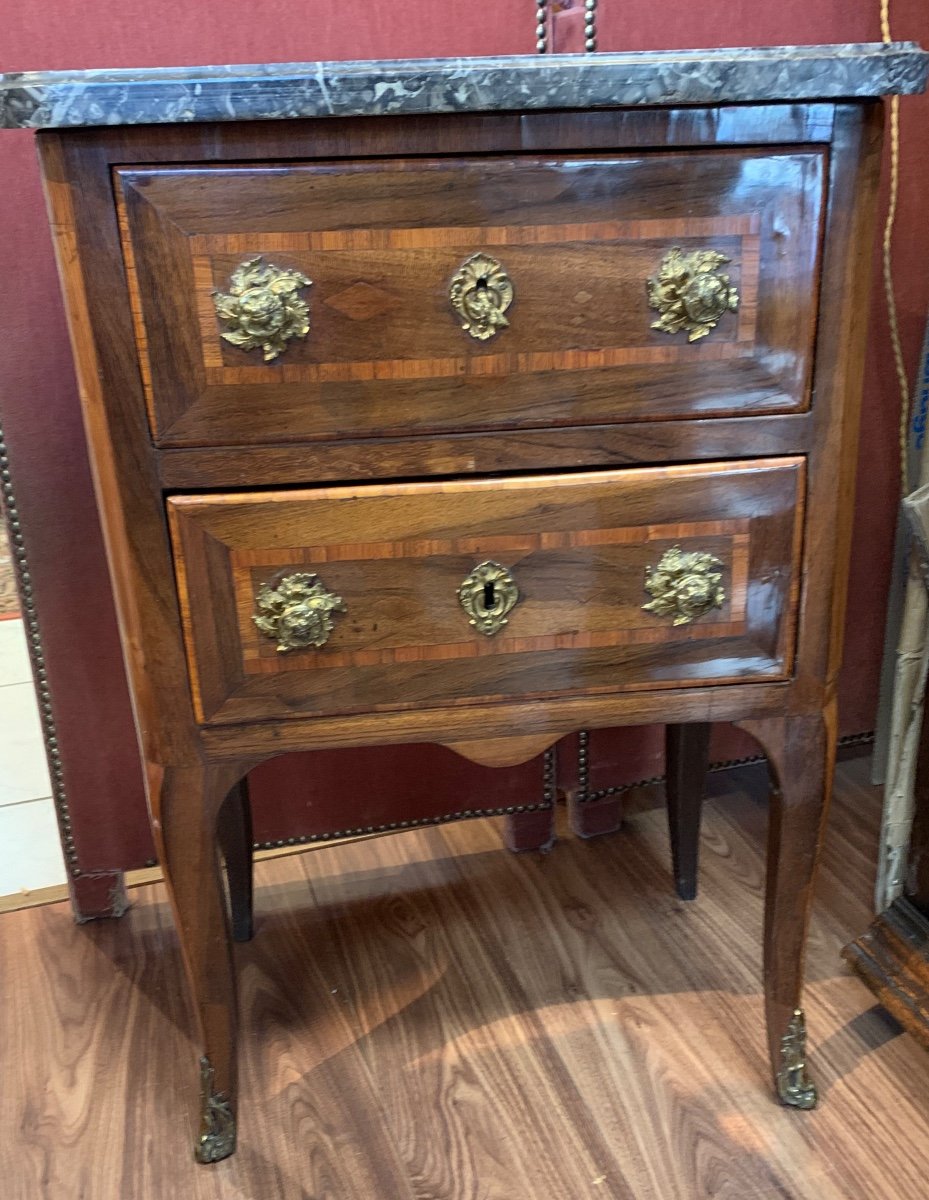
472	403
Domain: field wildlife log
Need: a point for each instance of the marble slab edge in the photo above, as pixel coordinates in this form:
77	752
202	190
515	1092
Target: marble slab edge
45	100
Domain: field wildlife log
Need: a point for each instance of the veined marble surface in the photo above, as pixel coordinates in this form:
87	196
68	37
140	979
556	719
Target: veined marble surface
43	100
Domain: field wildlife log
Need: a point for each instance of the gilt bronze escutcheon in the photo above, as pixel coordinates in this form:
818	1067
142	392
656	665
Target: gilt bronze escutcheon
487	595
481	292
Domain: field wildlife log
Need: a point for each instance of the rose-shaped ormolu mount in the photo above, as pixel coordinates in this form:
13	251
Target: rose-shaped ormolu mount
263	308
487	595
481	292
296	612
690	293
684	585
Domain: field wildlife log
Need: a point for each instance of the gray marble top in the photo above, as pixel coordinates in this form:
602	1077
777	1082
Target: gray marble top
43	100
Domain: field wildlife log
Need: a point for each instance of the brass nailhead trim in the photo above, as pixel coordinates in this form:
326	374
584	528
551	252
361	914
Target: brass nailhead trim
547	801
590	25
541	26
584	796
37	658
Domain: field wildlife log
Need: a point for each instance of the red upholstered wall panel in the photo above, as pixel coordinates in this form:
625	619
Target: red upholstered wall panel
630	754
37	400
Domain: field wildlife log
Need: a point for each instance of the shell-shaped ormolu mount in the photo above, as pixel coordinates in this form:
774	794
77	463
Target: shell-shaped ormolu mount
684	585
262	307
691	293
296	612
480	293
488	594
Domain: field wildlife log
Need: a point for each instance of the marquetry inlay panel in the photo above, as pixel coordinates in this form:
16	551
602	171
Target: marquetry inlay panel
578	547
634	245
381	241
627	623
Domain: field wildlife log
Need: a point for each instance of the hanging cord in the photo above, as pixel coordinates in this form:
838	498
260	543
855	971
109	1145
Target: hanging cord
887	259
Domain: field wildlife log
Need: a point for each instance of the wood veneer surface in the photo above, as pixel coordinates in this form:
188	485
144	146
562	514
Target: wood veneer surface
427	1016
579	235
580	547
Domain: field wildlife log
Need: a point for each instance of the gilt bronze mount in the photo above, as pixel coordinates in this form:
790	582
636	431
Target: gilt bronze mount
488	595
262	307
217	1136
794	1086
297	612
684	585
480	293
691	293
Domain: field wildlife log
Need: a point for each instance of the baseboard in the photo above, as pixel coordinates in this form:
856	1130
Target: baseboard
34	898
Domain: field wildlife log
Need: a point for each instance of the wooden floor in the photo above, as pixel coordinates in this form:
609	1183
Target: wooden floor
427	1016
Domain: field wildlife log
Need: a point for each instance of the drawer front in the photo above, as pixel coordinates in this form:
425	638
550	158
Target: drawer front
356	599
430	296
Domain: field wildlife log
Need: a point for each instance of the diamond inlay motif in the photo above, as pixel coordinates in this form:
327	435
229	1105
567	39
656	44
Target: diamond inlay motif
362	301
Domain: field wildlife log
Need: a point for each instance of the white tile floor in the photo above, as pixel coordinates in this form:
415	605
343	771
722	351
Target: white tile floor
30	853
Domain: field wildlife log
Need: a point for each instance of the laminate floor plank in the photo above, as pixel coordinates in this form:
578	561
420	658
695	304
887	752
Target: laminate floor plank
428	1017
447	1039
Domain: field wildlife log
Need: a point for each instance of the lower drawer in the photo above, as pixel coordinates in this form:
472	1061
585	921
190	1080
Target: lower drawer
384	597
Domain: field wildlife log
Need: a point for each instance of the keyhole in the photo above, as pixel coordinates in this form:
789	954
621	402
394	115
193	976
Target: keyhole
482	283
489	600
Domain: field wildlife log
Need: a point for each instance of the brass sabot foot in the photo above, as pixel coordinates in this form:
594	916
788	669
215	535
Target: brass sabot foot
217	1120
794	1086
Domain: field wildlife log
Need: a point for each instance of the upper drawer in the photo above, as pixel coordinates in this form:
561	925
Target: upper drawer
393	596
371	256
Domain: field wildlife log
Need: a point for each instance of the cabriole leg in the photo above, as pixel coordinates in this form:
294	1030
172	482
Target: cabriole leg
186	803
801	754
